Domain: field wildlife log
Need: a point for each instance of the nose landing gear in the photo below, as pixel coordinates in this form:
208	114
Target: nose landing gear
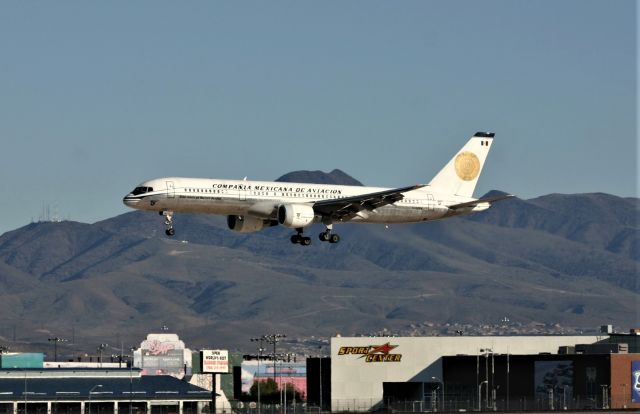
168	222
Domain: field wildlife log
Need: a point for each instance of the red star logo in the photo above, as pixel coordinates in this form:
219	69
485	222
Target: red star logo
380	349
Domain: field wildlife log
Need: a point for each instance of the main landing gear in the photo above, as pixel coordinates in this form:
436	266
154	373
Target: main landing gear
168	222
298	238
326	236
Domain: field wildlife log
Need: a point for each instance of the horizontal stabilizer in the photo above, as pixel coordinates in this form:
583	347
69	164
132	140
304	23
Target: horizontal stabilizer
480	201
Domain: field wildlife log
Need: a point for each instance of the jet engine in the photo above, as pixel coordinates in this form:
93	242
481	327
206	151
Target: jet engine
295	215
248	224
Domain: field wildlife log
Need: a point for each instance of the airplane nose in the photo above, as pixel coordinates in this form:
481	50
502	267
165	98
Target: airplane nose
130	201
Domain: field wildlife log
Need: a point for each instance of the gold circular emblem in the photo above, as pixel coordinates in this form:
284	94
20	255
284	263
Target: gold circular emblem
467	166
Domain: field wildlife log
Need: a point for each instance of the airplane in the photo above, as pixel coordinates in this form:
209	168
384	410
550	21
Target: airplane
255	205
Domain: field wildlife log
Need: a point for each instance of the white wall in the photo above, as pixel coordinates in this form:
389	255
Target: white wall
356	385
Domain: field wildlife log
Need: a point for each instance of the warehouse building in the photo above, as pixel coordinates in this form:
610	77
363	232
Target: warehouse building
369	372
538	382
96	390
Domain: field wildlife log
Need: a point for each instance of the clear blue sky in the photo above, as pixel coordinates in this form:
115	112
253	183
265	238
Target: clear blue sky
96	97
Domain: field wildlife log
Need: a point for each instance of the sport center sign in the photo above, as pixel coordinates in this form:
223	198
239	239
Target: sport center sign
373	353
215	361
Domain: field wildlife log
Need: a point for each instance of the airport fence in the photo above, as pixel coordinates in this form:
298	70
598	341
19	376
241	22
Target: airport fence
448	403
464	403
292	408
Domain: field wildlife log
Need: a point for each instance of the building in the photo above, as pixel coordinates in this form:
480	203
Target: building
538	382
319	382
163	354
21	360
104	390
366	372
632	339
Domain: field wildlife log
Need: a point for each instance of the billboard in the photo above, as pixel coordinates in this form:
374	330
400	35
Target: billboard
163	354
215	361
169	362
635	381
293	373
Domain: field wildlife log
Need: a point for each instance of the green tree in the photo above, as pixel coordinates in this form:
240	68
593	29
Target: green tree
270	393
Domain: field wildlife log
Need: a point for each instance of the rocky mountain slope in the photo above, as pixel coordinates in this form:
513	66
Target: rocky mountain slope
566	259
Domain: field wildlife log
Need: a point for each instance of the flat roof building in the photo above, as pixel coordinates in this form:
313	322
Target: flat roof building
110	390
364	369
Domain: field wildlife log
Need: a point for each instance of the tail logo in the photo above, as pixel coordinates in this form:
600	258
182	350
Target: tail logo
467	166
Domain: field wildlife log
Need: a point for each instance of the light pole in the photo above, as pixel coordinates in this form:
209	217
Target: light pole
486	353
25	391
274	339
260	350
605	396
284	395
320	365
101	347
478	377
442	385
90	391
132	350
508	395
55	341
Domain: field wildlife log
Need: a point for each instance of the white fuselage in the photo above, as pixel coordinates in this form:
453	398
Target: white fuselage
262	198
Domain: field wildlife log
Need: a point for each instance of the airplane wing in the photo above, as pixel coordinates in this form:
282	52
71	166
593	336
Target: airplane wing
479	201
339	209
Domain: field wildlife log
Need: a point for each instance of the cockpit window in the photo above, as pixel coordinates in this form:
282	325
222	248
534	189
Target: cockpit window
141	190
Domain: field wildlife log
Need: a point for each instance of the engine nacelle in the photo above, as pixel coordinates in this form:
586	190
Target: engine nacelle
248	224
295	215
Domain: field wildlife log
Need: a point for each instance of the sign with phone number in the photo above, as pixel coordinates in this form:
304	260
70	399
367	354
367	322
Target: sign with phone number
215	361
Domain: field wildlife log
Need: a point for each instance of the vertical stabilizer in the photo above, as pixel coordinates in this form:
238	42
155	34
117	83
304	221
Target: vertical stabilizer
461	174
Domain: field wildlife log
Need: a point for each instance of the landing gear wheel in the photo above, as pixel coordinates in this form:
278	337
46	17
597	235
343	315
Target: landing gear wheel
168	222
298	238
334	238
324	236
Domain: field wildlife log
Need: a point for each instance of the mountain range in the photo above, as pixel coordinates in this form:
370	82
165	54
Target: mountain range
563	260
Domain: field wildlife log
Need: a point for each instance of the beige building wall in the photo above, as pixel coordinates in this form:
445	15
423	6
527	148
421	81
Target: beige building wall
358	370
